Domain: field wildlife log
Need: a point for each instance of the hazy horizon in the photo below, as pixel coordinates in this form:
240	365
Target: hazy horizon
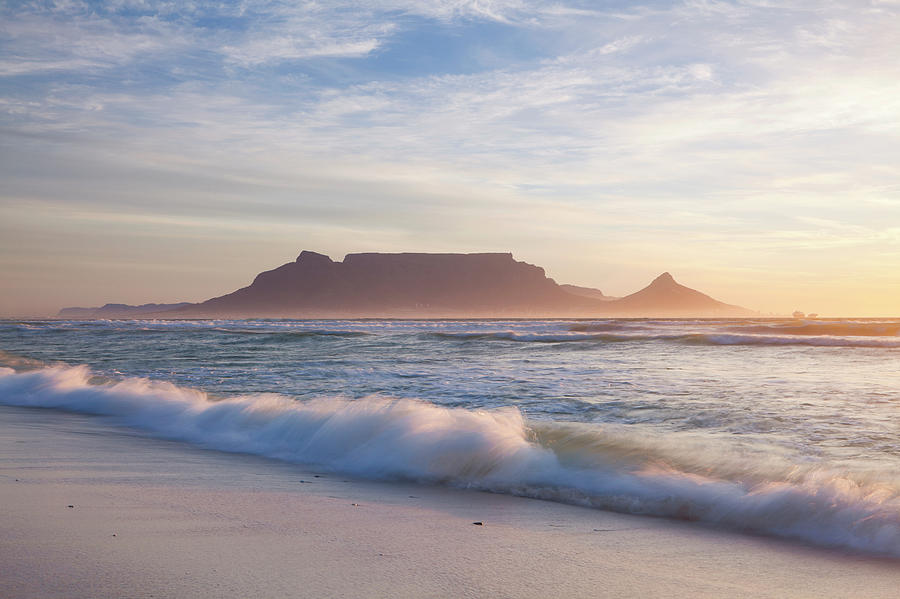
666	312
53	312
158	152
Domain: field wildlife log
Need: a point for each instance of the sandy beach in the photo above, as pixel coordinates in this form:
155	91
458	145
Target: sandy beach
89	510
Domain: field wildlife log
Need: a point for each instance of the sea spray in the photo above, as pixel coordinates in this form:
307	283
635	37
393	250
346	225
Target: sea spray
496	450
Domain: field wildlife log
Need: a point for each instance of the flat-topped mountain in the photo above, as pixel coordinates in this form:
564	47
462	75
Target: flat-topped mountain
398	285
409	285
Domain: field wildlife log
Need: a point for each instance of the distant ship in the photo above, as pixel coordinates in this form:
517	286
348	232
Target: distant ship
798	314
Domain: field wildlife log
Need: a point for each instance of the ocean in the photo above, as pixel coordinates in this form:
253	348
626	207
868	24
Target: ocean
781	427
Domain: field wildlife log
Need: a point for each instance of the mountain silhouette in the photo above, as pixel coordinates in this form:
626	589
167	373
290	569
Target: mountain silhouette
414	285
398	285
666	297
118	311
587	292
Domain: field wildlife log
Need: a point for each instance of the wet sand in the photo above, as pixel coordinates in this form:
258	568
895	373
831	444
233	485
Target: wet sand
152	518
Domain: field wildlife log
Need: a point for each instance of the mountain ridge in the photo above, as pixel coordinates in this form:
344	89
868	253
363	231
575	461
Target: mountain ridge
398	285
420	285
113	310
591	292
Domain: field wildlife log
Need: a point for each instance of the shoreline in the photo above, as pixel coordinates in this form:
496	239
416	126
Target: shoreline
155	518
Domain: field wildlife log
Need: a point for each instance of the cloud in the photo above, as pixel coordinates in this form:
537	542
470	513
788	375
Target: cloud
75	39
638	123
293	48
305	31
639	88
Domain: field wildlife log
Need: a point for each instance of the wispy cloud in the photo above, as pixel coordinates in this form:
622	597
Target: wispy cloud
592	119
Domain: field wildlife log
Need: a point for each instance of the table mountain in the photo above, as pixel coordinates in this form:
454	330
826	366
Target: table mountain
410	285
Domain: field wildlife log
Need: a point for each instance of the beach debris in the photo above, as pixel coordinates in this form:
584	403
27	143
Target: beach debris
478	523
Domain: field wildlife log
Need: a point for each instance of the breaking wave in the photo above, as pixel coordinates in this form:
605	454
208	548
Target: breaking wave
818	341
293	334
115	327
534	337
722	338
496	450
842	328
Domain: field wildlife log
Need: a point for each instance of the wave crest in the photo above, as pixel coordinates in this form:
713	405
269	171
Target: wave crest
533	337
495	450
844	328
813	341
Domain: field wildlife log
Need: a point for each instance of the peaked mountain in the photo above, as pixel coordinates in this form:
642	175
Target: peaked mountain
665	297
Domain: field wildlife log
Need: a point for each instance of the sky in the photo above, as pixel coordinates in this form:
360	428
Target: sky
169	151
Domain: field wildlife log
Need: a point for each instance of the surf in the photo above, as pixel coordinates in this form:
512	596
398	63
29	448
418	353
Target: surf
497	450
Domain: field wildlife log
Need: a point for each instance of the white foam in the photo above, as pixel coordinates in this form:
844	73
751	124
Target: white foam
494	450
817	341
535	337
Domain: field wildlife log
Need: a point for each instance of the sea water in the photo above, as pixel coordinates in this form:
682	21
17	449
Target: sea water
783	427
